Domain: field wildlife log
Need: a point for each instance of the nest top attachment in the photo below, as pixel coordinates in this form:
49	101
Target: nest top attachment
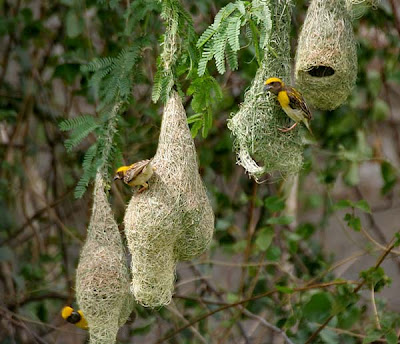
261	148
326	58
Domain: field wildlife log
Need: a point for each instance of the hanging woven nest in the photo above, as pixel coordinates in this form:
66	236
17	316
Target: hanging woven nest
102	277
173	219
326	58
261	148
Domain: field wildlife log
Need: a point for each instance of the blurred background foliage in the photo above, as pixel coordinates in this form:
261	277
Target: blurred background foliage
64	59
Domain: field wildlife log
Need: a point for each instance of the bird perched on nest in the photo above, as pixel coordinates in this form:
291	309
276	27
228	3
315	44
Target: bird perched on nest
74	317
136	174
291	101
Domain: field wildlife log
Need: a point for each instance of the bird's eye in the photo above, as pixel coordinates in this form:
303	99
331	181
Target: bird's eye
74	317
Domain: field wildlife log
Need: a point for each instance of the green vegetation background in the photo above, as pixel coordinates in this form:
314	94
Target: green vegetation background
64	59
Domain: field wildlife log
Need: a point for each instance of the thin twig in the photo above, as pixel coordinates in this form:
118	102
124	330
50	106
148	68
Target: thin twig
356	290
253	298
237	265
267	324
34	217
252	224
352	334
174	310
378	323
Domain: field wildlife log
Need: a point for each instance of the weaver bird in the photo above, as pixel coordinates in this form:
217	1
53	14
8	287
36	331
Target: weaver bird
136	174
291	101
74	317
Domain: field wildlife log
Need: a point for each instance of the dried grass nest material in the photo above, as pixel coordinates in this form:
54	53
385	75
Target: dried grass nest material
173	219
261	148
326	58
102	278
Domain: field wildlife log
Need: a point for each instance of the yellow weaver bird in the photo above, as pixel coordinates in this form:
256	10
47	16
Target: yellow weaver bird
291	101
136	174
74	317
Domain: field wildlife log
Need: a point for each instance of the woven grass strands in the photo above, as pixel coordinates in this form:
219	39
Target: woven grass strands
326	59
102	280
261	148
173	219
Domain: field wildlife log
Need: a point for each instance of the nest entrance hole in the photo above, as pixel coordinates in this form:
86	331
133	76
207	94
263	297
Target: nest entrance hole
321	71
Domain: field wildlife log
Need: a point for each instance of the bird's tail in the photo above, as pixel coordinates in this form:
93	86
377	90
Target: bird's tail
307	124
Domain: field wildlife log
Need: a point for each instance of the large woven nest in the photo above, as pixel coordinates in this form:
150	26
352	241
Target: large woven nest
102	278
326	58
173	219
261	147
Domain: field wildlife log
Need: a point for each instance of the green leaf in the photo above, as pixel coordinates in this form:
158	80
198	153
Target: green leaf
318	308
342	204
233	32
274	203
282	220
329	337
349	317
264	238
363	205
305	230
77	122
194	118
353	222
391	337
232	58
351	176
220	40
376	278
397	241
196	126
389	175
79	134
273	253
255	35
372	335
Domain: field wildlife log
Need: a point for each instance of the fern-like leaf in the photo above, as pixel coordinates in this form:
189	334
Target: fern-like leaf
232	58
76	122
219	45
233	32
206	56
221	40
79	134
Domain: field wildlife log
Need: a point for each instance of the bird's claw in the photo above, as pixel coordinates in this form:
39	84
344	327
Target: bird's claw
285	130
144	187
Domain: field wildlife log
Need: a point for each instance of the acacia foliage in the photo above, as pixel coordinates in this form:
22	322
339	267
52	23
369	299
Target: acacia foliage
91	72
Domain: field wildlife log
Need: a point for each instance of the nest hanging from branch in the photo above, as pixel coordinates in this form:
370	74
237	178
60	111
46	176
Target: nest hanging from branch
102	277
326	58
173	219
261	148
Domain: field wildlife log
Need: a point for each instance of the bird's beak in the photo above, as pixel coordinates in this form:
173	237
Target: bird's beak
116	177
267	88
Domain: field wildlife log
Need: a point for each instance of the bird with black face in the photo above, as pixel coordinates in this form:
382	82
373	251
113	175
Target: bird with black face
291	101
74	317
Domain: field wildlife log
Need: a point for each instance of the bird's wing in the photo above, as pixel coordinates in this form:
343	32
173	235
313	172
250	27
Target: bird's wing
296	101
135	170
